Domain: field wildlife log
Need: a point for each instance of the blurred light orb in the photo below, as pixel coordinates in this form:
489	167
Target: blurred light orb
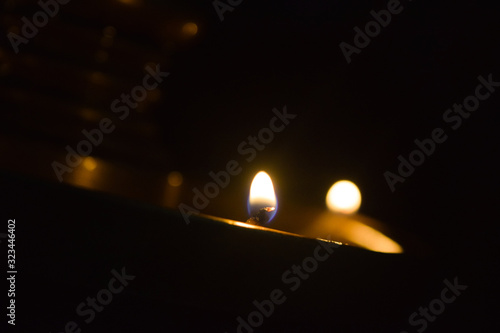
89	163
343	197
190	29
175	179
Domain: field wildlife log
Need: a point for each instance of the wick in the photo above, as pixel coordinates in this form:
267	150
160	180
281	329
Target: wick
261	217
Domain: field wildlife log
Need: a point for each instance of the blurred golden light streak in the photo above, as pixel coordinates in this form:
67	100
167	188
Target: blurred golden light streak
351	230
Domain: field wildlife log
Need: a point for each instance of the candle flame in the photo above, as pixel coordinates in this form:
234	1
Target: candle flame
262	197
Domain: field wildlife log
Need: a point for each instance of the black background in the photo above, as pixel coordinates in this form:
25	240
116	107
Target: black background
353	120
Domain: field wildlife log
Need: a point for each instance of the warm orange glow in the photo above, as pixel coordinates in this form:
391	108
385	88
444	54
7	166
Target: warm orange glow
175	179
89	163
343	197
90	114
130	2
190	29
97	78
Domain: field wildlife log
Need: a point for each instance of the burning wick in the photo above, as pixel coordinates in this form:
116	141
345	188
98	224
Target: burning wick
262	216
262	203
